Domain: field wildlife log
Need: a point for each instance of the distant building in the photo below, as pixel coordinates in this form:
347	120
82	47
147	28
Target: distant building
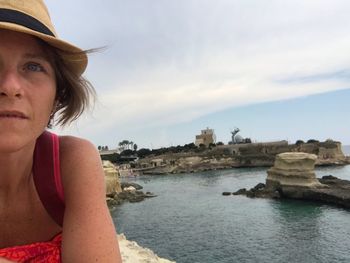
206	137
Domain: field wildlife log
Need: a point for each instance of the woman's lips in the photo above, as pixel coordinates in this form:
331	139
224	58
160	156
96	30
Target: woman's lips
12	114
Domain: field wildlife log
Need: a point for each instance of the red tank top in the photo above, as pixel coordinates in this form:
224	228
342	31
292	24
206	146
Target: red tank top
47	178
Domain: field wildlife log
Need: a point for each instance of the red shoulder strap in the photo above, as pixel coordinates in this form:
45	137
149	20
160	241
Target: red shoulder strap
46	174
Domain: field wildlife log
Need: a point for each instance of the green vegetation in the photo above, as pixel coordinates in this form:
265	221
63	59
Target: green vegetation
312	141
113	157
298	142
126	144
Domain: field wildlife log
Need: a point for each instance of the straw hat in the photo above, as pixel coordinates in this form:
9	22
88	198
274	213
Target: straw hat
32	17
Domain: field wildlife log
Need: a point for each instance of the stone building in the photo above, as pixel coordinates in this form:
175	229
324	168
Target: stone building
206	137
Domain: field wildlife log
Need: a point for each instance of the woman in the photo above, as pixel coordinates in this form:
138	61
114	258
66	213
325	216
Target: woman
65	219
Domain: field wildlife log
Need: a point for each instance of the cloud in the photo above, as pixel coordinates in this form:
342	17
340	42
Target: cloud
170	62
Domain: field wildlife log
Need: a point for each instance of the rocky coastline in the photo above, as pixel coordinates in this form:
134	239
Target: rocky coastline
292	176
130	192
329	153
119	192
116	193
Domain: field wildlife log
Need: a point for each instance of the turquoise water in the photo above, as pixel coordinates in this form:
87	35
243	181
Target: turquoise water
190	221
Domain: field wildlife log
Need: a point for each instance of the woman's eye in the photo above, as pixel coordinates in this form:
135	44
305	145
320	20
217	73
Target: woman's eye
34	67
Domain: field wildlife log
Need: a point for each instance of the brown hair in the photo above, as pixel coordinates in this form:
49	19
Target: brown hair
74	93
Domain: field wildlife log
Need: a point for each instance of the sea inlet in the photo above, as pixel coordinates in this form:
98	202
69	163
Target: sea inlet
191	221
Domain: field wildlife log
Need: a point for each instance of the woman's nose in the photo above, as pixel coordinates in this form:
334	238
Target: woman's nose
10	84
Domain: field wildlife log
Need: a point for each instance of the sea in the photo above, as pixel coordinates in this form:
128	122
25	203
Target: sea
190	221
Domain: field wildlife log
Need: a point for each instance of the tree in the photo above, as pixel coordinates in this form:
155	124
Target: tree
126	152
135	147
202	146
110	157
99	148
219	143
190	146
247	140
298	142
124	144
121	145
143	152
212	145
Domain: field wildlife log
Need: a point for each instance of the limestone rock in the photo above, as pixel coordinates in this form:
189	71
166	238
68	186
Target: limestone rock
127	184
293	177
129	189
132	196
293	169
292	172
111	178
131	252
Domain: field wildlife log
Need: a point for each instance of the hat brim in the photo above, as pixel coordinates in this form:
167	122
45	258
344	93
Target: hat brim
77	60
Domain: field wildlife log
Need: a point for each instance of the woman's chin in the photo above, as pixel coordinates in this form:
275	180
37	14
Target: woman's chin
13	142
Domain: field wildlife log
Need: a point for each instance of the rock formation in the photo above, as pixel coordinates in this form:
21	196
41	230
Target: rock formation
292	170
293	176
131	252
116	192
130	192
111	178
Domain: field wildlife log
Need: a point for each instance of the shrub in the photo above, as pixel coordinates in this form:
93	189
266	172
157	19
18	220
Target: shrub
298	142
313	141
127	152
143	152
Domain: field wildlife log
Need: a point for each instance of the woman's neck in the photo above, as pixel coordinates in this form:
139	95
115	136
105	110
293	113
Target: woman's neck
15	170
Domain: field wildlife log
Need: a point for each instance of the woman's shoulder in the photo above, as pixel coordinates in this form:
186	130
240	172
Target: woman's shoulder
80	162
79	158
75	148
72	143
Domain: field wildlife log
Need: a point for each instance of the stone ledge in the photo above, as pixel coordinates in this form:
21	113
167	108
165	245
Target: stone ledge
131	252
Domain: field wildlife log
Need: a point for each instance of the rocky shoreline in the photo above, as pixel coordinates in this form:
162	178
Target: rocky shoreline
292	176
116	194
130	192
119	192
336	193
328	153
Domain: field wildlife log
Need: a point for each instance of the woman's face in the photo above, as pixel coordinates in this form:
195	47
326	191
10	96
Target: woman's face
27	90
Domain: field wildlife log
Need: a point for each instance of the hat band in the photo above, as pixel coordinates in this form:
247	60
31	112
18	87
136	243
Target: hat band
22	19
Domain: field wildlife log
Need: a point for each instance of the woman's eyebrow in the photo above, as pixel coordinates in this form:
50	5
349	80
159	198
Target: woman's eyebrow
36	56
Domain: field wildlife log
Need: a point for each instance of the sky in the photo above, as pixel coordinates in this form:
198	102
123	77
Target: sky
277	70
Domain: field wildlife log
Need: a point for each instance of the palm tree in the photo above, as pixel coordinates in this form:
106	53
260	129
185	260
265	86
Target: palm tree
124	144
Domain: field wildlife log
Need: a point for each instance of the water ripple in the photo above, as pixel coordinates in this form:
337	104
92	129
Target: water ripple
190	221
